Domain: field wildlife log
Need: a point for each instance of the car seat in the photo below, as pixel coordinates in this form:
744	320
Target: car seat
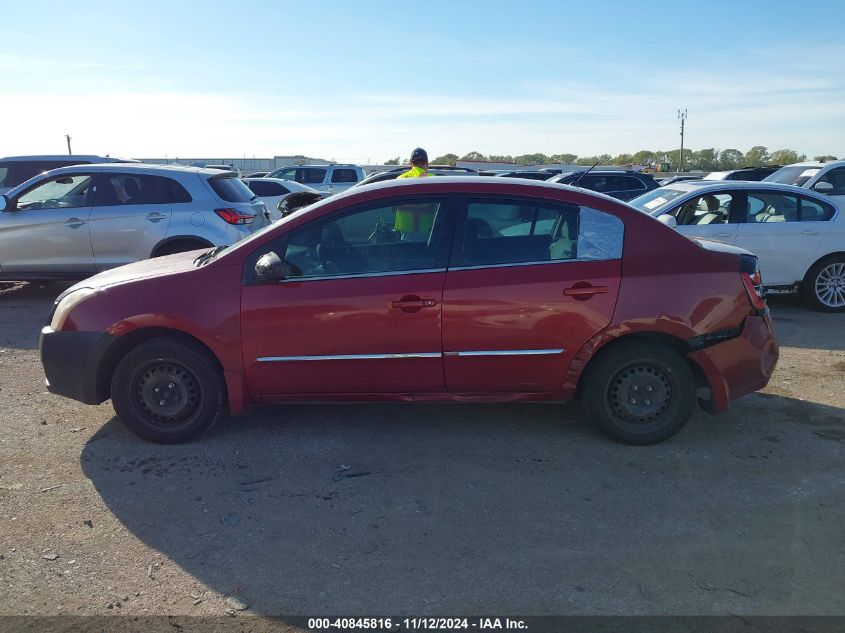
712	212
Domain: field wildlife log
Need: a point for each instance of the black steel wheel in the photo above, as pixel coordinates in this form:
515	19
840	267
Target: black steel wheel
639	392
167	390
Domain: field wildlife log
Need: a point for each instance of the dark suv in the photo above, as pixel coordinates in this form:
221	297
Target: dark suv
617	183
15	170
746	173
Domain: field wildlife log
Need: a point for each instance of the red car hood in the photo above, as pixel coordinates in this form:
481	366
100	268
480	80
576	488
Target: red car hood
155	267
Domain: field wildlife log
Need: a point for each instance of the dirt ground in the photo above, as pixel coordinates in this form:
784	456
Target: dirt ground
520	508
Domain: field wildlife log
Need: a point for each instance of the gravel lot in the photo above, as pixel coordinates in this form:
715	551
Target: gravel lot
444	509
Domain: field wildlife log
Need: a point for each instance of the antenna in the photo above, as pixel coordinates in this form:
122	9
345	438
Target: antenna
67	137
575	182
682	117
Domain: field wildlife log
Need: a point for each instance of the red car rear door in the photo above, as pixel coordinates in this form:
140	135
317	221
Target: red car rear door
528	284
359	309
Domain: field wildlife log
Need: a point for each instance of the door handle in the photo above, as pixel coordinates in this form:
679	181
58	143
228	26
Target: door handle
74	223
809	232
722	235
583	290
412	303
155	216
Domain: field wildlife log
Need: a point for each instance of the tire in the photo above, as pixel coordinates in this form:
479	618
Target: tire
184	375
616	379
172	248
823	288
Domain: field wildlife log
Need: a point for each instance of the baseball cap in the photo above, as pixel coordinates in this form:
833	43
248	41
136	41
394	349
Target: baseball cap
419	155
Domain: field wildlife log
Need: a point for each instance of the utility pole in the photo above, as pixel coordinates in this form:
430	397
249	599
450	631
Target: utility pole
67	136
682	117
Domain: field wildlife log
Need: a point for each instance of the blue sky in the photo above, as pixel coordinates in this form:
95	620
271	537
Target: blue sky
369	81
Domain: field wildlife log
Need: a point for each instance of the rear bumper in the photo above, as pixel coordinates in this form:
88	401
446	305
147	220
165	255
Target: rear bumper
741	365
71	361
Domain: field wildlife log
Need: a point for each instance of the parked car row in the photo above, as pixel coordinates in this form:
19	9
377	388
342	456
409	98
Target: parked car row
411	290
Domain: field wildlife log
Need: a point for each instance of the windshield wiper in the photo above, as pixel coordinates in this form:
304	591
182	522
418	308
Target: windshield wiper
209	255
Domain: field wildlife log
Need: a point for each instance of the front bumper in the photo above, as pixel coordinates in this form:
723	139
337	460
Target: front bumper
71	363
740	365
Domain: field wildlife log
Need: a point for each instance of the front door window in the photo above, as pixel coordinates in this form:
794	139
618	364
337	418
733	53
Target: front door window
58	193
399	237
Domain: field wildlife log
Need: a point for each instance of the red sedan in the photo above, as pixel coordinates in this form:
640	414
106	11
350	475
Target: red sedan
439	289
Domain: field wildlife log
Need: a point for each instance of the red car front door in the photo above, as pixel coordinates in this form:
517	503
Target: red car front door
528	284
359	310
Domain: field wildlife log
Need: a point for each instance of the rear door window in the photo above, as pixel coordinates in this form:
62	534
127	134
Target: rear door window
503	233
771	207
137	189
344	175
627	183
231	189
595	183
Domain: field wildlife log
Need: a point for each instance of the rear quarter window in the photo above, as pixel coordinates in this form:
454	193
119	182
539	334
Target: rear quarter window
231	189
267	188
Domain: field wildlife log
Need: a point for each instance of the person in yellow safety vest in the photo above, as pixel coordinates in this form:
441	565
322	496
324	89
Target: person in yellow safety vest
414	221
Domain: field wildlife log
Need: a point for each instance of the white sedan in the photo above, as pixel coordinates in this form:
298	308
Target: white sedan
797	234
274	191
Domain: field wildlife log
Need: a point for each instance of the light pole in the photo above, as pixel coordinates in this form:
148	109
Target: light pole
682	117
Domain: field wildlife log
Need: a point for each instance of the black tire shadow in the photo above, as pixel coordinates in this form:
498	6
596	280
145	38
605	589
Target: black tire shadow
433	509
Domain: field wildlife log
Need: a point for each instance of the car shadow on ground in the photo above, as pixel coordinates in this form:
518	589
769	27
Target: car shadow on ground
24	308
432	509
798	326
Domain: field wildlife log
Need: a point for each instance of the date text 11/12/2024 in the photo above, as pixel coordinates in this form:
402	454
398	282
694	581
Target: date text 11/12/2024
411	624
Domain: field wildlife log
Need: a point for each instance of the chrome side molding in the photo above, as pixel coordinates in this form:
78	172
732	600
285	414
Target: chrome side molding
502	352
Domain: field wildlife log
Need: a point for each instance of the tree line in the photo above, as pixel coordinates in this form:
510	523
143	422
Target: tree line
709	159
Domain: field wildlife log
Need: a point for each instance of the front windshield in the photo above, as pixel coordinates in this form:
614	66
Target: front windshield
796	175
654	201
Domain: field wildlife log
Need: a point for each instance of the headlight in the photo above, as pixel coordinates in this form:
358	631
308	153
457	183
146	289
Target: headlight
68	303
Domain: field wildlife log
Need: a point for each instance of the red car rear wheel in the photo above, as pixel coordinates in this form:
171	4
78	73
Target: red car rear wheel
639	393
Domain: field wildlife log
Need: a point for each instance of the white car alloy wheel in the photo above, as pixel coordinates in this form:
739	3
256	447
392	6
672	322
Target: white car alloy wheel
830	285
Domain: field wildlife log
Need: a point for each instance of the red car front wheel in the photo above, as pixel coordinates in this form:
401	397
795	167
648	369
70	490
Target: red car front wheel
167	390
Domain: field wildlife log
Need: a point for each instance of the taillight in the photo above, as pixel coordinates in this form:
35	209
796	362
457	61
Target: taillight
233	216
753	281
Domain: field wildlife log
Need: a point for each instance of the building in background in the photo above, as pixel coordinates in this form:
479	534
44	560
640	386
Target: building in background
244	165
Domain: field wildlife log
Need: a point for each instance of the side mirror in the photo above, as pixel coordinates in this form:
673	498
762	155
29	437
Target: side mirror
823	187
269	268
668	220
4	203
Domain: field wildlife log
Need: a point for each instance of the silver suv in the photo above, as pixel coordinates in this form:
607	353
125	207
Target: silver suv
75	221
329	179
